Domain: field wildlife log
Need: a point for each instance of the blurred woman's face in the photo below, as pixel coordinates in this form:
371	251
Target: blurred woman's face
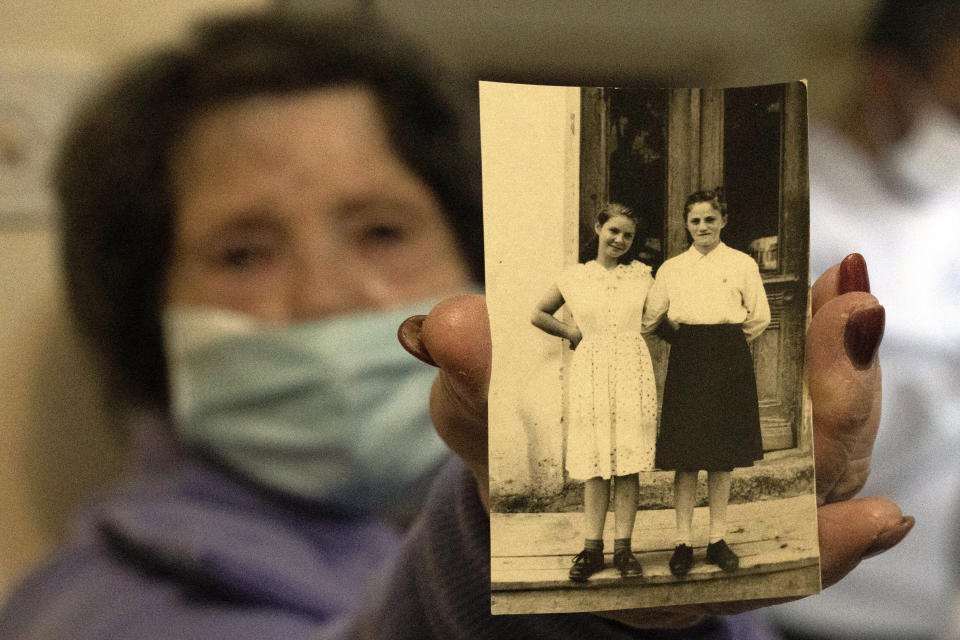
616	236
704	223
295	207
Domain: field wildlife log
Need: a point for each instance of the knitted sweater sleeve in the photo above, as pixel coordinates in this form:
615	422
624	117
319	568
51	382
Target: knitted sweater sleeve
439	586
436	586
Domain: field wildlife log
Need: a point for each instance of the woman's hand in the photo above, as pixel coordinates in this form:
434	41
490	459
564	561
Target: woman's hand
844	381
543	318
455	337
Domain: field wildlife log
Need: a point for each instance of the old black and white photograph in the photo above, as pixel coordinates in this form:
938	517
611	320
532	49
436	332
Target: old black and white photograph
647	255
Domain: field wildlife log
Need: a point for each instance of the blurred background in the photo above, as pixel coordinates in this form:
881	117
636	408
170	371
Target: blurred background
58	436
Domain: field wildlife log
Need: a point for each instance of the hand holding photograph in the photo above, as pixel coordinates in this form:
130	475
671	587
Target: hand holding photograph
647	260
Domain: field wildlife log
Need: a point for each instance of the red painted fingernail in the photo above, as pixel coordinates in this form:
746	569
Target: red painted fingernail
853	275
891	537
863	333
409	336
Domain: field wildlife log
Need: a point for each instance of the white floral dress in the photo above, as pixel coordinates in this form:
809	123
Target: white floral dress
612	409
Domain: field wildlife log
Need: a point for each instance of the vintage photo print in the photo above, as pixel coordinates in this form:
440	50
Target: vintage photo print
647	282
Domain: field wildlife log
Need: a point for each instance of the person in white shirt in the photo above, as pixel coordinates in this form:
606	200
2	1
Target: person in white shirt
713	300
885	179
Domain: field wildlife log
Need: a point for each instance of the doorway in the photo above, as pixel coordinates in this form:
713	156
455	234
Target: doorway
649	148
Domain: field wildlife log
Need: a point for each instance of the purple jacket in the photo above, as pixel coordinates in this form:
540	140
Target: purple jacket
185	551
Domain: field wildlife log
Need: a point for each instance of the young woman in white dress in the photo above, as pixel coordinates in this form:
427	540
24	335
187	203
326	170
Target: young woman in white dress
612	393
713	301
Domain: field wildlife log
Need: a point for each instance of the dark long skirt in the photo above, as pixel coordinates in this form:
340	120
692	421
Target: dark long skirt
710	418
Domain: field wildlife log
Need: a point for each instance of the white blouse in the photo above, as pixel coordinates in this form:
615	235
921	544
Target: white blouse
721	287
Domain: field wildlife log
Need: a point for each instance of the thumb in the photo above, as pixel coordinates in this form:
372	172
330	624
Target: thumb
857	529
455	337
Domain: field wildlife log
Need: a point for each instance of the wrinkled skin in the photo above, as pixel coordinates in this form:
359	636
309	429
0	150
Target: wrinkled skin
846	414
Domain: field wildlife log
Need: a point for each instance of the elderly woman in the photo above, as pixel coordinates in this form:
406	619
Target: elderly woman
713	299
247	218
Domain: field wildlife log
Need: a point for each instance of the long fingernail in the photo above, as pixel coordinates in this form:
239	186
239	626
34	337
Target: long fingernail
863	333
409	336
853	275
891	537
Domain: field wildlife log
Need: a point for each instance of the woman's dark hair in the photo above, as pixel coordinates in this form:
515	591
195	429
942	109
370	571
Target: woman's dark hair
614	209
714	196
113	175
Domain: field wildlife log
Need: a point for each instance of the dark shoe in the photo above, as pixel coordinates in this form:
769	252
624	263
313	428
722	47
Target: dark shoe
585	564
627	564
719	553
681	560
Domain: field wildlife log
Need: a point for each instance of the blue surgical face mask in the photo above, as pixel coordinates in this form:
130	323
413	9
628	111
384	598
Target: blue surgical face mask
333	411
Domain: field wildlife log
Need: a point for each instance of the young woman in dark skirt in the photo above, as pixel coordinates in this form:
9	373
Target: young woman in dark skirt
713	300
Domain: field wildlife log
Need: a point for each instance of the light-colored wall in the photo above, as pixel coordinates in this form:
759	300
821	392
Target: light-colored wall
56	446
531	211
